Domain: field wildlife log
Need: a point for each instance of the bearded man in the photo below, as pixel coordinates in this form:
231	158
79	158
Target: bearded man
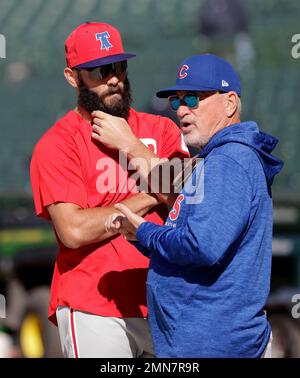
98	293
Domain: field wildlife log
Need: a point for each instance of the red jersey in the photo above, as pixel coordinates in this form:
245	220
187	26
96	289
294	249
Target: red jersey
105	278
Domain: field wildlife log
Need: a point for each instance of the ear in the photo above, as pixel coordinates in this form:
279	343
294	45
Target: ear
71	77
231	105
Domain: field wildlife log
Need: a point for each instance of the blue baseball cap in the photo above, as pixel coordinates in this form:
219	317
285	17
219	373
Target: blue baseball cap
203	73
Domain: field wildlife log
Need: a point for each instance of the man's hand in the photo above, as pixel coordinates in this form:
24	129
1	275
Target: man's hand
76	227
126	224
114	132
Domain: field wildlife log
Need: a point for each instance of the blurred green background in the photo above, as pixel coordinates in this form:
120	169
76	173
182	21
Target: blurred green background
34	94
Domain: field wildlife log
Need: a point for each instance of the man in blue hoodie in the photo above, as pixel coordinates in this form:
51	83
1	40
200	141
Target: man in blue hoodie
210	265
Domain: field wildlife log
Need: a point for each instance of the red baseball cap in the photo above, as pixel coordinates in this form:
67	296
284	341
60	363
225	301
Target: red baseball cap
94	44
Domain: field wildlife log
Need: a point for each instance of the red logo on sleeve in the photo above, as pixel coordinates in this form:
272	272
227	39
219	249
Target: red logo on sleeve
174	213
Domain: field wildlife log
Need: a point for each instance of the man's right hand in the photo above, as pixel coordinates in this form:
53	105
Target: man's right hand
125	223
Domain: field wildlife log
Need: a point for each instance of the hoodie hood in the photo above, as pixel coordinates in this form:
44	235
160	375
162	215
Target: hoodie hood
248	133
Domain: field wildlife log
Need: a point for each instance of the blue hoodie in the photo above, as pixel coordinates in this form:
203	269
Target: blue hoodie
210	265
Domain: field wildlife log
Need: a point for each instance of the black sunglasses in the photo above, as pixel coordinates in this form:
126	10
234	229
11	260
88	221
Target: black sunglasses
102	72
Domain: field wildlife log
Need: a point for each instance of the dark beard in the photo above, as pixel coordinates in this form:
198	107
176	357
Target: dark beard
90	101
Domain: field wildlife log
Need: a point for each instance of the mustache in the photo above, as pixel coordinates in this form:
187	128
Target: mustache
114	90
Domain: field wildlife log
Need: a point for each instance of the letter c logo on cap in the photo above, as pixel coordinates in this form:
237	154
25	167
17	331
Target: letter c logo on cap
182	72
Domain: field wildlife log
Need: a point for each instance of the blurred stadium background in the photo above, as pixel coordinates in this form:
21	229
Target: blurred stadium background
34	94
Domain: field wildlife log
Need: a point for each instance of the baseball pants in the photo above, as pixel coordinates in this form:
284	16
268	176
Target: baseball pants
87	335
268	351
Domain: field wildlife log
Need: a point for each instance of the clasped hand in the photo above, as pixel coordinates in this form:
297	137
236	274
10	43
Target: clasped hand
125	223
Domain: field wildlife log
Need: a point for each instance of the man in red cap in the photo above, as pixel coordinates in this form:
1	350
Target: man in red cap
98	289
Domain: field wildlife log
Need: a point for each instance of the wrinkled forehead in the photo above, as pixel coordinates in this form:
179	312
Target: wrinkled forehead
200	94
182	93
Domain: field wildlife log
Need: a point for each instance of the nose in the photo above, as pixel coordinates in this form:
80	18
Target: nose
113	79
182	111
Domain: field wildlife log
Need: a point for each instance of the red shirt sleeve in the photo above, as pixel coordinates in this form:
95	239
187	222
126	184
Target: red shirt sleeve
56	174
173	143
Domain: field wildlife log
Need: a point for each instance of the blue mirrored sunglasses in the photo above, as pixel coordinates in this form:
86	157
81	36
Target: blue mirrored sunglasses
190	99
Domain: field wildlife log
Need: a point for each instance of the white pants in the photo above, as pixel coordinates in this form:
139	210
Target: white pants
268	351
87	335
